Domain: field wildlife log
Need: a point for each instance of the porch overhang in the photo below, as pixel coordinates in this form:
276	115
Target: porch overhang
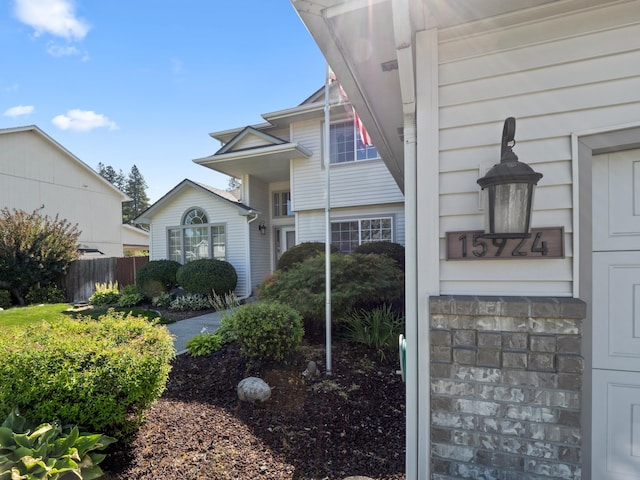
269	163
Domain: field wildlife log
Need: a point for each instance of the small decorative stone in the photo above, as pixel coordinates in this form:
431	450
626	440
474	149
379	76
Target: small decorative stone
253	389
311	370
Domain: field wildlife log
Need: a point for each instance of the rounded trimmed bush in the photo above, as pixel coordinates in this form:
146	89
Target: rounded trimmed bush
100	375
301	252
157	277
207	276
268	331
389	249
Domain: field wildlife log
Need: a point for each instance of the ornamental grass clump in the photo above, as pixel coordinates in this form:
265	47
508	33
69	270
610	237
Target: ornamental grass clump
98	374
268	331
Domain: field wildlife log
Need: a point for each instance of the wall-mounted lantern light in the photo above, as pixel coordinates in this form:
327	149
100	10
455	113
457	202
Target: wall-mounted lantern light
509	189
262	228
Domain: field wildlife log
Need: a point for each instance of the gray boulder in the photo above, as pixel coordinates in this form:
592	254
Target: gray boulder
253	389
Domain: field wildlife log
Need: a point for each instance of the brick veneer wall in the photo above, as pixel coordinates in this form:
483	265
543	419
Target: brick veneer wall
506	387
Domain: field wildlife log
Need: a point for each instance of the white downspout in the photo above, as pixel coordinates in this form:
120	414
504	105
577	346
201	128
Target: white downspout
248	253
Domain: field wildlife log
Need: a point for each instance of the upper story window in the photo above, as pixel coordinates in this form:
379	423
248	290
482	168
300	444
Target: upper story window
346	143
282	204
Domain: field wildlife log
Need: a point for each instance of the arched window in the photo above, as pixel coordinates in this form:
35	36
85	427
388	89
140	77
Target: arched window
195	216
196	238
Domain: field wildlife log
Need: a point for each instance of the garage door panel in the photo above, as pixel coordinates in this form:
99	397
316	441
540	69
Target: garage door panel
616	201
616	425
616	310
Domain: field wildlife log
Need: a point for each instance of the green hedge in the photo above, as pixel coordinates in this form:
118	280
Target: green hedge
157	277
299	253
207	276
390	249
357	281
5	299
100	375
268	331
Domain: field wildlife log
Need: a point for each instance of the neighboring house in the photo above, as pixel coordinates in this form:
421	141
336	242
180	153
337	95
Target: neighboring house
134	240
281	201
37	173
493	388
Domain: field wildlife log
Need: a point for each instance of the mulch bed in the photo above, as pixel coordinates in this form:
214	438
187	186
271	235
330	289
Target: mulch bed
328	427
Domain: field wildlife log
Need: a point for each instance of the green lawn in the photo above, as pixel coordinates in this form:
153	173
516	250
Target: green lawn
21	316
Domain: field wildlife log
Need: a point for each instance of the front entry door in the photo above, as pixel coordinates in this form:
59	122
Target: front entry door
616	316
285	238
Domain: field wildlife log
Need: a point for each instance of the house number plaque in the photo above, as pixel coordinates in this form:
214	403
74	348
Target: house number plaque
471	245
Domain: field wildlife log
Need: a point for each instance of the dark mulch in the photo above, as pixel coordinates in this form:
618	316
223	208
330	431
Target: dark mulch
349	423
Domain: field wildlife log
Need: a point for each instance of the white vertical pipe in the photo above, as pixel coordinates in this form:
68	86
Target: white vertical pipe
327	211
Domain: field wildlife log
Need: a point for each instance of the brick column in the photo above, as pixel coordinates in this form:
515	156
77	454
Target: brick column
506	387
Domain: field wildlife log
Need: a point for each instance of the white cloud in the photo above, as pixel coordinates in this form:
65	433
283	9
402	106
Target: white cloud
82	121
56	50
18	110
56	17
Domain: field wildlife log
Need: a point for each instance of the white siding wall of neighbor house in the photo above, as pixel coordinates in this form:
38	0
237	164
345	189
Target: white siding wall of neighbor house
260	244
584	75
34	172
366	182
311	224
228	215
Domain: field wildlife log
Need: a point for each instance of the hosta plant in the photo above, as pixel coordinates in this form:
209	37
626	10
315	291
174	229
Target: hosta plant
49	451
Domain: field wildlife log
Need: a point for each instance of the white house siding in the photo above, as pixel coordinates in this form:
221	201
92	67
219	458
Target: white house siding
311	224
357	183
566	74
218	212
34	173
260	244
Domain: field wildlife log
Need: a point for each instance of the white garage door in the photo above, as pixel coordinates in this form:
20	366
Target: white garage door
616	316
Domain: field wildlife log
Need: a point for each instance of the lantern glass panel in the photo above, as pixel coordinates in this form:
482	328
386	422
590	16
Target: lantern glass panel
510	208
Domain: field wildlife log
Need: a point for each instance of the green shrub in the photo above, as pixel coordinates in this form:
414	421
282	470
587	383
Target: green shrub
156	277
268	331
207	276
203	344
105	294
191	301
390	249
378	329
100	375
357	281
49	294
130	296
162	300
5	299
301	252
49	451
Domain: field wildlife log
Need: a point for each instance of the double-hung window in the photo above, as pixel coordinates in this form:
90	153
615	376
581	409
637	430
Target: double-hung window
282	204
196	238
347	235
347	145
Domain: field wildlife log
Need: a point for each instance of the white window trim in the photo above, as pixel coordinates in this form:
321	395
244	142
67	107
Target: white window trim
182	228
368	217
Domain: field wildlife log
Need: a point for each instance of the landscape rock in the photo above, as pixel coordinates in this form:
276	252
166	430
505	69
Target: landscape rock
253	389
311	370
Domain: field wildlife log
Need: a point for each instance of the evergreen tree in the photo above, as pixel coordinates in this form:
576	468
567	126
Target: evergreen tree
109	173
136	188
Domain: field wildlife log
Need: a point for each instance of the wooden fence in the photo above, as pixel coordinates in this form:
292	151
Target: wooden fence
80	281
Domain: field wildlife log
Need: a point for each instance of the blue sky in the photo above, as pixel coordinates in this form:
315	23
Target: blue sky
145	81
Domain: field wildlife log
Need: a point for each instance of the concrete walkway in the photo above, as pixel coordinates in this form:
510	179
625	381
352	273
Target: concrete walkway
184	330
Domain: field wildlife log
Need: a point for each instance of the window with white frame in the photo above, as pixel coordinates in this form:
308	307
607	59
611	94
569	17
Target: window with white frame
282	204
348	234
346	144
196	238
